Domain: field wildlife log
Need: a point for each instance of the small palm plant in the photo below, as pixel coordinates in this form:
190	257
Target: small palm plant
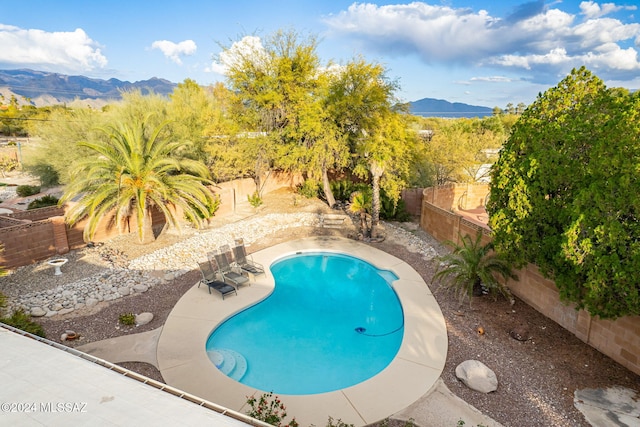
361	205
471	267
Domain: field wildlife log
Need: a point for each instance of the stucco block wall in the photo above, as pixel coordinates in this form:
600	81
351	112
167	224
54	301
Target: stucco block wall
412	198
26	243
445	225
457	196
618	339
34	235
38	214
233	192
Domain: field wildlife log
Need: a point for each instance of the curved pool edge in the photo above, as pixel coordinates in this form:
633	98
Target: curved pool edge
419	363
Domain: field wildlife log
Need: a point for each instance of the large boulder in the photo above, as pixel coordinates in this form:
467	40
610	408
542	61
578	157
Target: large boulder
477	376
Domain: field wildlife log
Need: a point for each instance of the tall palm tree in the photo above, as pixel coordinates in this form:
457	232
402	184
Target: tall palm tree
472	266
135	169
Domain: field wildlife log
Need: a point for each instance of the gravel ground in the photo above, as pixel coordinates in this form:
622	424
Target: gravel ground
537	377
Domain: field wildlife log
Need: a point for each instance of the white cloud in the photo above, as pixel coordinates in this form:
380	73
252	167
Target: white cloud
69	52
591	9
492	79
609	56
249	48
173	50
537	37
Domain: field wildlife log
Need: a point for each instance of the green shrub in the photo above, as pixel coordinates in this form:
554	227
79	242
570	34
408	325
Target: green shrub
337	423
3	303
27	190
309	189
21	320
43	202
393	211
211	208
343	189
387	423
48	176
128	319
255	200
269	409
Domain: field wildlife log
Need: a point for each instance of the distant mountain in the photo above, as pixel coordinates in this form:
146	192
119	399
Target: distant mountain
44	88
41	88
430	107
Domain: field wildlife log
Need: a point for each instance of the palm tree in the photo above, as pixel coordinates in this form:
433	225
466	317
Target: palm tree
136	169
471	267
361	205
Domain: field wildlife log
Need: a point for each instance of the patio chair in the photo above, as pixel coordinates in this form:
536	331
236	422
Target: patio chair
220	262
243	261
210	279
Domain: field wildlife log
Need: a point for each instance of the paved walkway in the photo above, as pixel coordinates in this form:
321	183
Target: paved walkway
142	347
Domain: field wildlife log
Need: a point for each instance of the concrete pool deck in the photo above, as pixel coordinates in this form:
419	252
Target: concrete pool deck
183	361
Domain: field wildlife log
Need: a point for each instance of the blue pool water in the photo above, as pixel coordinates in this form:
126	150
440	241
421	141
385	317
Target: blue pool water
332	321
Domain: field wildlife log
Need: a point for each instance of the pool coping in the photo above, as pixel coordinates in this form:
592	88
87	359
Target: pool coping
184	364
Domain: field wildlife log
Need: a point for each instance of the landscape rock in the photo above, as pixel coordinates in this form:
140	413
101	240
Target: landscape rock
37	312
143	318
140	288
520	333
124	290
477	376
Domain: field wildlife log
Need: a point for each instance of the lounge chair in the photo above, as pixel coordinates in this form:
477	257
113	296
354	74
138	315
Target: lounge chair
243	261
210	279
221	263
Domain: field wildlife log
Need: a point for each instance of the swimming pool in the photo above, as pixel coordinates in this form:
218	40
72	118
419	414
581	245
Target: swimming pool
332	321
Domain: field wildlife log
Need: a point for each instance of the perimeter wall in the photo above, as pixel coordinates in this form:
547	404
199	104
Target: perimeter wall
442	218
34	235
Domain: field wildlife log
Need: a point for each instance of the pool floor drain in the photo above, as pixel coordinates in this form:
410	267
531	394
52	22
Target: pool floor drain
361	330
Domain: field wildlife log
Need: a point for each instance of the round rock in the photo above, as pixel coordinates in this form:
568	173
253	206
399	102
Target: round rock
37	312
140	288
124	290
477	376
143	318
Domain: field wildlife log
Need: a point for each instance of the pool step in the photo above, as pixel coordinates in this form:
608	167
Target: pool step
229	362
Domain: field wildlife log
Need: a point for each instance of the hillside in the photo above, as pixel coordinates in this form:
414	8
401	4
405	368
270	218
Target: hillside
42	88
430	107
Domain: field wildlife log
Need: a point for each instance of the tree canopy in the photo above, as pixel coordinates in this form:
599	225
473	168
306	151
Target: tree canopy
460	149
564	193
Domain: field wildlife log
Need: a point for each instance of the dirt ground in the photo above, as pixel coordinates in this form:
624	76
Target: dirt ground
537	377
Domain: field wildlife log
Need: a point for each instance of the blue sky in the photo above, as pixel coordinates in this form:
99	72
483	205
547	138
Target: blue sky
480	52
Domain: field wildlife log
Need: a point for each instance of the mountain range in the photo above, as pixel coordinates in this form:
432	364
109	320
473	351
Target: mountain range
41	88
430	107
